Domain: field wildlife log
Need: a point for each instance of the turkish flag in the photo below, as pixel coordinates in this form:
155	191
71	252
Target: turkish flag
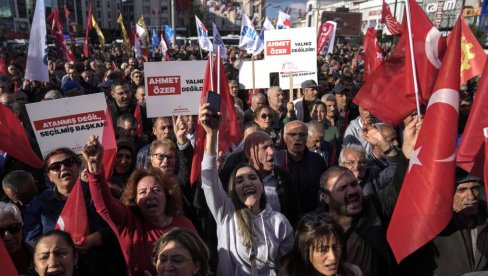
473	56
229	132
372	53
109	145
73	218
14	139
88	28
6	263
424	205
470	155
428	48
390	21
384	93
57	33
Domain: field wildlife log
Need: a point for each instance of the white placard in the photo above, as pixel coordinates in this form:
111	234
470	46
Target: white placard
173	87
68	122
291	50
298	78
261	74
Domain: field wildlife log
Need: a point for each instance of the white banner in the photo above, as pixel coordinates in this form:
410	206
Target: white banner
36	67
291	50
261	74
298	78
173	87
68	122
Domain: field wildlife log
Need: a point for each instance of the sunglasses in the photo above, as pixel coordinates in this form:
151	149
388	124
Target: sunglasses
162	156
266	116
68	162
12	229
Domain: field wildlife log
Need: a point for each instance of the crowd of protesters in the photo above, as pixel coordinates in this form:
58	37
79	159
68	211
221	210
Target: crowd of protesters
309	190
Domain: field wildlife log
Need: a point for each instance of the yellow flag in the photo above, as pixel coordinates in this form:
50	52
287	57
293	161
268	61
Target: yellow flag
141	23
124	33
99	33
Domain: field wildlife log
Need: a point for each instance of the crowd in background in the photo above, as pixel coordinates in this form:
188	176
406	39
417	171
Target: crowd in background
309	189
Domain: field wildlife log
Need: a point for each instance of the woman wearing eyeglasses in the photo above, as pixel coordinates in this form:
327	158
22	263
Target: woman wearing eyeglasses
62	167
264	116
317	250
252	237
147	209
11	234
181	252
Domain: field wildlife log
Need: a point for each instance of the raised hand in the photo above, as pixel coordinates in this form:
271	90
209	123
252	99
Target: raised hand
93	154
180	129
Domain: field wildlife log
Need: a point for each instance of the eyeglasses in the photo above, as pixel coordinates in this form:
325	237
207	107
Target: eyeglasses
12	229
175	260
266	116
359	163
162	156
137	76
294	134
56	166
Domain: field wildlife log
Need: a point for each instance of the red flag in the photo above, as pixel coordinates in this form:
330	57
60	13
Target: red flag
14	139
73	218
383	95
485	178
66	13
88	28
470	155
109	145
6	263
389	20
57	32
424	205
229	133
372	53
3	66
388	94
138	116
325	32
473	56
428	50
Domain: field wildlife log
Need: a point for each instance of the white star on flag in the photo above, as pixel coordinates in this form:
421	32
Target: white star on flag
414	159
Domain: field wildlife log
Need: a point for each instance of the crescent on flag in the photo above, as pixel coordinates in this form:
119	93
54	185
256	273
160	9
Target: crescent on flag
431	47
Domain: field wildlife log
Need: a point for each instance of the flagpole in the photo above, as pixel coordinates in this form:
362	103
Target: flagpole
290	76
253	75
412	56
218	70
211	71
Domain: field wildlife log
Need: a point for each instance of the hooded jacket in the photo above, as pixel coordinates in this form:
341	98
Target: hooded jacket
273	232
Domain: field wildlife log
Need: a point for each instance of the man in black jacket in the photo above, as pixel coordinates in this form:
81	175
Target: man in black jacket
365	218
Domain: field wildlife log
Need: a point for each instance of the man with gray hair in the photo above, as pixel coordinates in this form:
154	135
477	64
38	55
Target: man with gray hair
317	144
304	166
257	100
371	177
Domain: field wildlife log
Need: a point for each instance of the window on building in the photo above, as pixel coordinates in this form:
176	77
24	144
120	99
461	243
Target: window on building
309	21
